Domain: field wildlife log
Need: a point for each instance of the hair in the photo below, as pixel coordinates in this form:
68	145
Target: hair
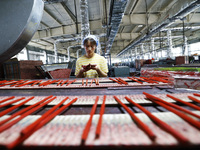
93	42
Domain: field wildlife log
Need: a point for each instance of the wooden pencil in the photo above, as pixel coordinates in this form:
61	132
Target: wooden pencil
23	137
98	128
11	123
186	103
14	101
14	107
24	110
6	99
194	99
89	122
142	126
160	123
35	123
188	119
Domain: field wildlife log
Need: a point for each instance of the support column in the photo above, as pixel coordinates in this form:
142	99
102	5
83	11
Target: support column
65	58
185	47
55	53
142	50
85	26
45	57
128	56
169	40
153	48
135	52
131	50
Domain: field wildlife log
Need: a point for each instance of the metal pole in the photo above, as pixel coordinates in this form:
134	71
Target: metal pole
142	50
169	40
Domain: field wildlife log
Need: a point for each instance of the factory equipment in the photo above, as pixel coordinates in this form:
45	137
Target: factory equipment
117	113
18	29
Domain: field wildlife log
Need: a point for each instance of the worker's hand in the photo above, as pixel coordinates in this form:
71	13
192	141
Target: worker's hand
85	68
94	67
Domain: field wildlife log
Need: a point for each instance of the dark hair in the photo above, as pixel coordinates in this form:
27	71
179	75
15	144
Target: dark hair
91	40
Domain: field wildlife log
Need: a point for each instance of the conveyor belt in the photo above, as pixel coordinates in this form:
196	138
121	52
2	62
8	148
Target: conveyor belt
69	117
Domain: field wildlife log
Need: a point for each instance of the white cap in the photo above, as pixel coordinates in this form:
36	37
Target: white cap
92	37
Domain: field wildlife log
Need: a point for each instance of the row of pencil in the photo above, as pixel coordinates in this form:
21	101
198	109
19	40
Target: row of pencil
59	82
179	111
59	108
95	80
141	80
21	83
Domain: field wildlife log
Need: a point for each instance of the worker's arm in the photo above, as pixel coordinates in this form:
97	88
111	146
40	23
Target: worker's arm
81	73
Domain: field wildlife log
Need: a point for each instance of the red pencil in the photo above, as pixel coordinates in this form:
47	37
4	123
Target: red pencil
175	106
64	82
82	82
35	123
36	82
143	126
98	128
6	99
14	107
186	103
17	83
115	80
88	125
91	82
119	81
160	123
196	94
190	120
59	82
71	82
194	99
135	80
43	83
123	81
11	123
26	83
24	110
11	82
14	101
86	82
20	139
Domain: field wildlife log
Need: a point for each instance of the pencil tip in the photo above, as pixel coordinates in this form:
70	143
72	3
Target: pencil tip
82	142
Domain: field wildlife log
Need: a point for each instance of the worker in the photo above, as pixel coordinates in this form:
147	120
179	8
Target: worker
91	65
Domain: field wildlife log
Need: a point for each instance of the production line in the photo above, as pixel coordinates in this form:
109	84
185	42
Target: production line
105	114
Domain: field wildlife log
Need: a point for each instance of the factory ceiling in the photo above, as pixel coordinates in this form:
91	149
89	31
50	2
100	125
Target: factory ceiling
121	25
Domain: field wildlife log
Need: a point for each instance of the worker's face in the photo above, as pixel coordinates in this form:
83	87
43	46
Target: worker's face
90	49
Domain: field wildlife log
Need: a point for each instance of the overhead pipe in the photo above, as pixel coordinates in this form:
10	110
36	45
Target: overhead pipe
142	50
62	40
185	47
68	51
116	14
169	40
181	28
185	9
77	53
85	26
153	48
135	52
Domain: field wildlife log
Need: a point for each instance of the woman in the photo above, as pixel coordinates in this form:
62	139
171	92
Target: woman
91	65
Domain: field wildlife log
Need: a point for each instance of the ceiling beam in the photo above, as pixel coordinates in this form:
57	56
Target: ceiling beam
73	17
52	15
64	30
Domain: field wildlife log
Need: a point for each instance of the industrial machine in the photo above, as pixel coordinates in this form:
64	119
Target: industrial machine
101	113
117	113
